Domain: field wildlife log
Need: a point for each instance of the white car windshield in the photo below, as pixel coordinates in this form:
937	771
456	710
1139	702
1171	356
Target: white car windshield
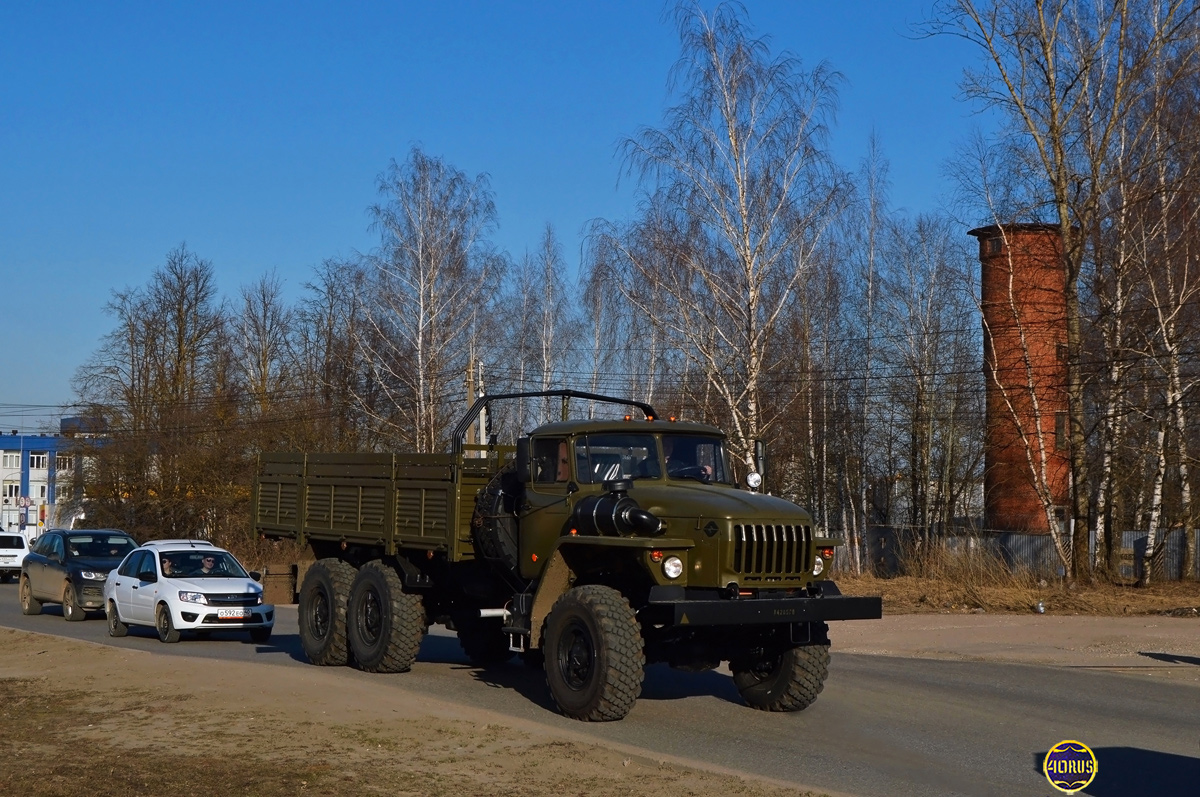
199	563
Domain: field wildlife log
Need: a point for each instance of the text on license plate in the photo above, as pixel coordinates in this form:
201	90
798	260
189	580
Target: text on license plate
232	614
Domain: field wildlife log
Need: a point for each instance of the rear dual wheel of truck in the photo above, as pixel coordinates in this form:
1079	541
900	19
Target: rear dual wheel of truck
787	680
384	624
323	597
595	661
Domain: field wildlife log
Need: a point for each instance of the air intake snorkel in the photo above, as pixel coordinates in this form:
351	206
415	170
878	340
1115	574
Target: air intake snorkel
614	513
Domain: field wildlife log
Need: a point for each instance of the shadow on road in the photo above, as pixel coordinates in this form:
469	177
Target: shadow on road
1133	772
1171	658
437	649
662	683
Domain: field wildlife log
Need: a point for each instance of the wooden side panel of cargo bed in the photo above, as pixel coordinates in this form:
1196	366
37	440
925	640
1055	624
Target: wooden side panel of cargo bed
277	493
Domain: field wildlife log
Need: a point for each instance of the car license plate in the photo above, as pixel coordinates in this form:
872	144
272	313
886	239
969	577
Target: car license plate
232	614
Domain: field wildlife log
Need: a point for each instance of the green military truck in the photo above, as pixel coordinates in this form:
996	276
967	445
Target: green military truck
592	548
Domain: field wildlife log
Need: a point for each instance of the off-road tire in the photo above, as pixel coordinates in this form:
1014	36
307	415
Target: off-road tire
482	639
116	627
322	612
29	604
788	681
260	635
495	531
595	660
164	625
72	612
384	624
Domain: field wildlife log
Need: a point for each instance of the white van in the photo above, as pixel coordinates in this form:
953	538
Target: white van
12	553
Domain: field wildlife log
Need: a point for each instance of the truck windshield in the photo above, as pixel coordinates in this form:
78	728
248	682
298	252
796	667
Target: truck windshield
696	456
604	457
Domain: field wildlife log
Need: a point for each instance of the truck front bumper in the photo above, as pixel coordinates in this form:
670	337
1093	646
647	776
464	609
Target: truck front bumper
666	605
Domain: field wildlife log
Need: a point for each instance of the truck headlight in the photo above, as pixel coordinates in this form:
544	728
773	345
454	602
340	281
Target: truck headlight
753	480
672	567
819	567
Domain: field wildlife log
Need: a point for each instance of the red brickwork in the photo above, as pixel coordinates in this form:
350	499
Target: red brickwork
1024	358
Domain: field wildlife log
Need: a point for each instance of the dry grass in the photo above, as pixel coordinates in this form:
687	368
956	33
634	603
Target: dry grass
937	580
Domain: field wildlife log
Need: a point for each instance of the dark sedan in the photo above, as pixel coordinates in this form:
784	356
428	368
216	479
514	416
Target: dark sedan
69	567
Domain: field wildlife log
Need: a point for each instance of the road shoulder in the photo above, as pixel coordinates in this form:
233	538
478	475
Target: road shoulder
1151	645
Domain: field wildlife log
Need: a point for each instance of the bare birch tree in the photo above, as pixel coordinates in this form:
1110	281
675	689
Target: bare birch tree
161	383
425	283
740	173
261	334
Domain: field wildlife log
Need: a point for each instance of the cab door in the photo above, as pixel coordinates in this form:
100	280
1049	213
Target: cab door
548	501
52	571
124	583
144	591
35	564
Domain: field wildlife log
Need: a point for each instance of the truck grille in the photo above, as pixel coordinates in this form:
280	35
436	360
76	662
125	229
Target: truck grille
771	552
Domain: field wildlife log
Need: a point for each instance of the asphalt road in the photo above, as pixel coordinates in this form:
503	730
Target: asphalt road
883	726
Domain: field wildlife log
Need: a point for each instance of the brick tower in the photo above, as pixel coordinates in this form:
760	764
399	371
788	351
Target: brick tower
1023	290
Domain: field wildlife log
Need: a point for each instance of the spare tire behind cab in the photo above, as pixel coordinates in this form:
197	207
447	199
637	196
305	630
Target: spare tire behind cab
495	531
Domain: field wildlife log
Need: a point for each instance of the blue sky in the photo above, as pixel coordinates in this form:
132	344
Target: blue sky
254	132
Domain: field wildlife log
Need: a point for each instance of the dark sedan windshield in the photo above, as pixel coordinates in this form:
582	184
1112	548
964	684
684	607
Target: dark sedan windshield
99	546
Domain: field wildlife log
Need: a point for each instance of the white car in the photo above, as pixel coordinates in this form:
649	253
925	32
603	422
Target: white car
13	548
185	585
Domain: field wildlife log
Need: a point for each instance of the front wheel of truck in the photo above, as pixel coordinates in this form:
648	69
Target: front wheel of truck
594	655
323	597
789	680
384	623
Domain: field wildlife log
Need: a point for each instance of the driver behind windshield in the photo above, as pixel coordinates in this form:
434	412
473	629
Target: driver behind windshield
680	454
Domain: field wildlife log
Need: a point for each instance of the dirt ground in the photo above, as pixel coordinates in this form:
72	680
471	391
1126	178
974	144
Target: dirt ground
82	717
79	718
1147	631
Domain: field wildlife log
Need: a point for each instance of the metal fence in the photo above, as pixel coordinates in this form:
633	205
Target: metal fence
1031	552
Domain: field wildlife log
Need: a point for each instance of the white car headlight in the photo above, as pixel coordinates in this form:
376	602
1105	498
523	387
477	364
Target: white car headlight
819	566
672	567
93	575
193	597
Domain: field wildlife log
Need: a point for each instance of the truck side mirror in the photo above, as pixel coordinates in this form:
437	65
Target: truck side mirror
523	460
760	458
